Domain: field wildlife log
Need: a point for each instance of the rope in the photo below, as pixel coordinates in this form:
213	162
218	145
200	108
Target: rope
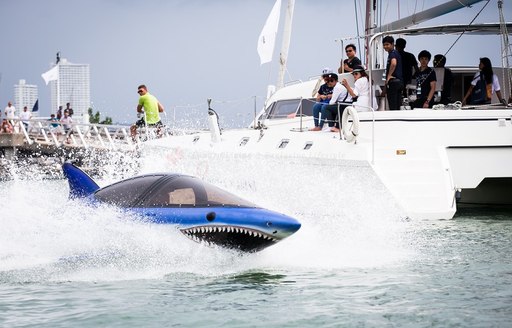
470	23
454	106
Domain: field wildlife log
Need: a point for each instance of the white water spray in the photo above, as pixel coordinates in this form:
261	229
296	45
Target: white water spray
347	220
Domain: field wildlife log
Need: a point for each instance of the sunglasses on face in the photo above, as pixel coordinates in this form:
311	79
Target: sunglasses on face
140	91
330	80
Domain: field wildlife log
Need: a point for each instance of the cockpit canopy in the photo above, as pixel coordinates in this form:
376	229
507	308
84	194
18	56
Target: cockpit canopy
166	190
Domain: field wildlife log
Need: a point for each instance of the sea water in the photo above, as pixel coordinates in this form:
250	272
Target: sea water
357	260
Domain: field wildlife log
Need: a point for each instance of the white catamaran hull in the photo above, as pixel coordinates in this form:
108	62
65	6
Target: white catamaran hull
423	157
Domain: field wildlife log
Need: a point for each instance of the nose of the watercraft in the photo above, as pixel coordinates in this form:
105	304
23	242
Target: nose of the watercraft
245	229
281	226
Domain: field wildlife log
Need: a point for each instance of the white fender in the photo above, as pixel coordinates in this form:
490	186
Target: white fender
350	132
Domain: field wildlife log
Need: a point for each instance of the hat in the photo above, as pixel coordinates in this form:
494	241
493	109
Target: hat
326	71
358	69
331	76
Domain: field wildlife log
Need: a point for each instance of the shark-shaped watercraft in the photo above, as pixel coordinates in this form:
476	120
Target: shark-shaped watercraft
201	211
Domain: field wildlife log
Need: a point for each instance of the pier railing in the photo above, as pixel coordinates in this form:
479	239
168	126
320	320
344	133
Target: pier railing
58	134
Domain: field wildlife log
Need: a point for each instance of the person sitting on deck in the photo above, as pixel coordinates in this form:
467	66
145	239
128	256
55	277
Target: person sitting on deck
323	96
53	126
6	127
361	91
340	98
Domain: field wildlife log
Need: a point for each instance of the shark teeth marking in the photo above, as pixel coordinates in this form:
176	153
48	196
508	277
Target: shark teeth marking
196	232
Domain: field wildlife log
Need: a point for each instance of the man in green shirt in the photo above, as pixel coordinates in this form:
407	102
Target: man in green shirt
152	108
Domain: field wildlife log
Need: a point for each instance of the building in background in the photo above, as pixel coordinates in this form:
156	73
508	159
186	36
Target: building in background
25	95
73	83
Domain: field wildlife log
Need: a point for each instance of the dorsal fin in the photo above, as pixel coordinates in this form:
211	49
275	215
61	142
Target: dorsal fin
80	183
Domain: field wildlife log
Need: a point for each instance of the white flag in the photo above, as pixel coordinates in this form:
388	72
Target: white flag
51	75
267	38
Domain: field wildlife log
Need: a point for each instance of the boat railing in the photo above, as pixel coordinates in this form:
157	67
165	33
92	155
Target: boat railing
372	110
369	109
84	135
292	82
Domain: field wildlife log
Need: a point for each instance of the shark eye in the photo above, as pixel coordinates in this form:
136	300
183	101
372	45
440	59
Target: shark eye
269	224
210	216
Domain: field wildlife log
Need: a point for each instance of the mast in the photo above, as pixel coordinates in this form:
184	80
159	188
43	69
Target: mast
369	25
57	63
505	49
283	57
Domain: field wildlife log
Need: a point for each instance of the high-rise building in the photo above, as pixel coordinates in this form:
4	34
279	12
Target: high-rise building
74	88
24	95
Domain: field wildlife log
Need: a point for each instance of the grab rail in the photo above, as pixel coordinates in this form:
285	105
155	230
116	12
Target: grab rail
89	135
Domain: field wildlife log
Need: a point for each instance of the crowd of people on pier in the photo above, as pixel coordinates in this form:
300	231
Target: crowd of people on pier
63	118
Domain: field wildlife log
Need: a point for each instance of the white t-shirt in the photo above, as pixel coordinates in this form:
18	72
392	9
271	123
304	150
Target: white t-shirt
495	82
338	94
362	91
25	116
9	112
66	121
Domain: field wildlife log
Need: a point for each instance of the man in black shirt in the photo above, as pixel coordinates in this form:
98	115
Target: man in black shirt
347	65
446	93
394	78
409	62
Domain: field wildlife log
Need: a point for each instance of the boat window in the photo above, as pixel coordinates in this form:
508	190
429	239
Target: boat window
126	192
184	191
291	108
244	141
284	143
308	145
307	107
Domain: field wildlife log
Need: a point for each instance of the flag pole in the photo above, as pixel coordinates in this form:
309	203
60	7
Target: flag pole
58	86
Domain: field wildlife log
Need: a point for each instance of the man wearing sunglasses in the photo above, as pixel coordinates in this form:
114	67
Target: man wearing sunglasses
340	98
352	61
152	110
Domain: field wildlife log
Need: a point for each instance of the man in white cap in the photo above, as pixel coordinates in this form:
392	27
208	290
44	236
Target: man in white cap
323	96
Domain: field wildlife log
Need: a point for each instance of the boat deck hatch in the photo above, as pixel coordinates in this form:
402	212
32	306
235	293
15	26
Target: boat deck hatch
244	141
284	143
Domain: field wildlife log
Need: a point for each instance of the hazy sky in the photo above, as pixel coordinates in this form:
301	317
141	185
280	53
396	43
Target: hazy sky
188	51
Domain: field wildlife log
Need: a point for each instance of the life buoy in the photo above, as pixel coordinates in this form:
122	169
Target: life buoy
350	132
